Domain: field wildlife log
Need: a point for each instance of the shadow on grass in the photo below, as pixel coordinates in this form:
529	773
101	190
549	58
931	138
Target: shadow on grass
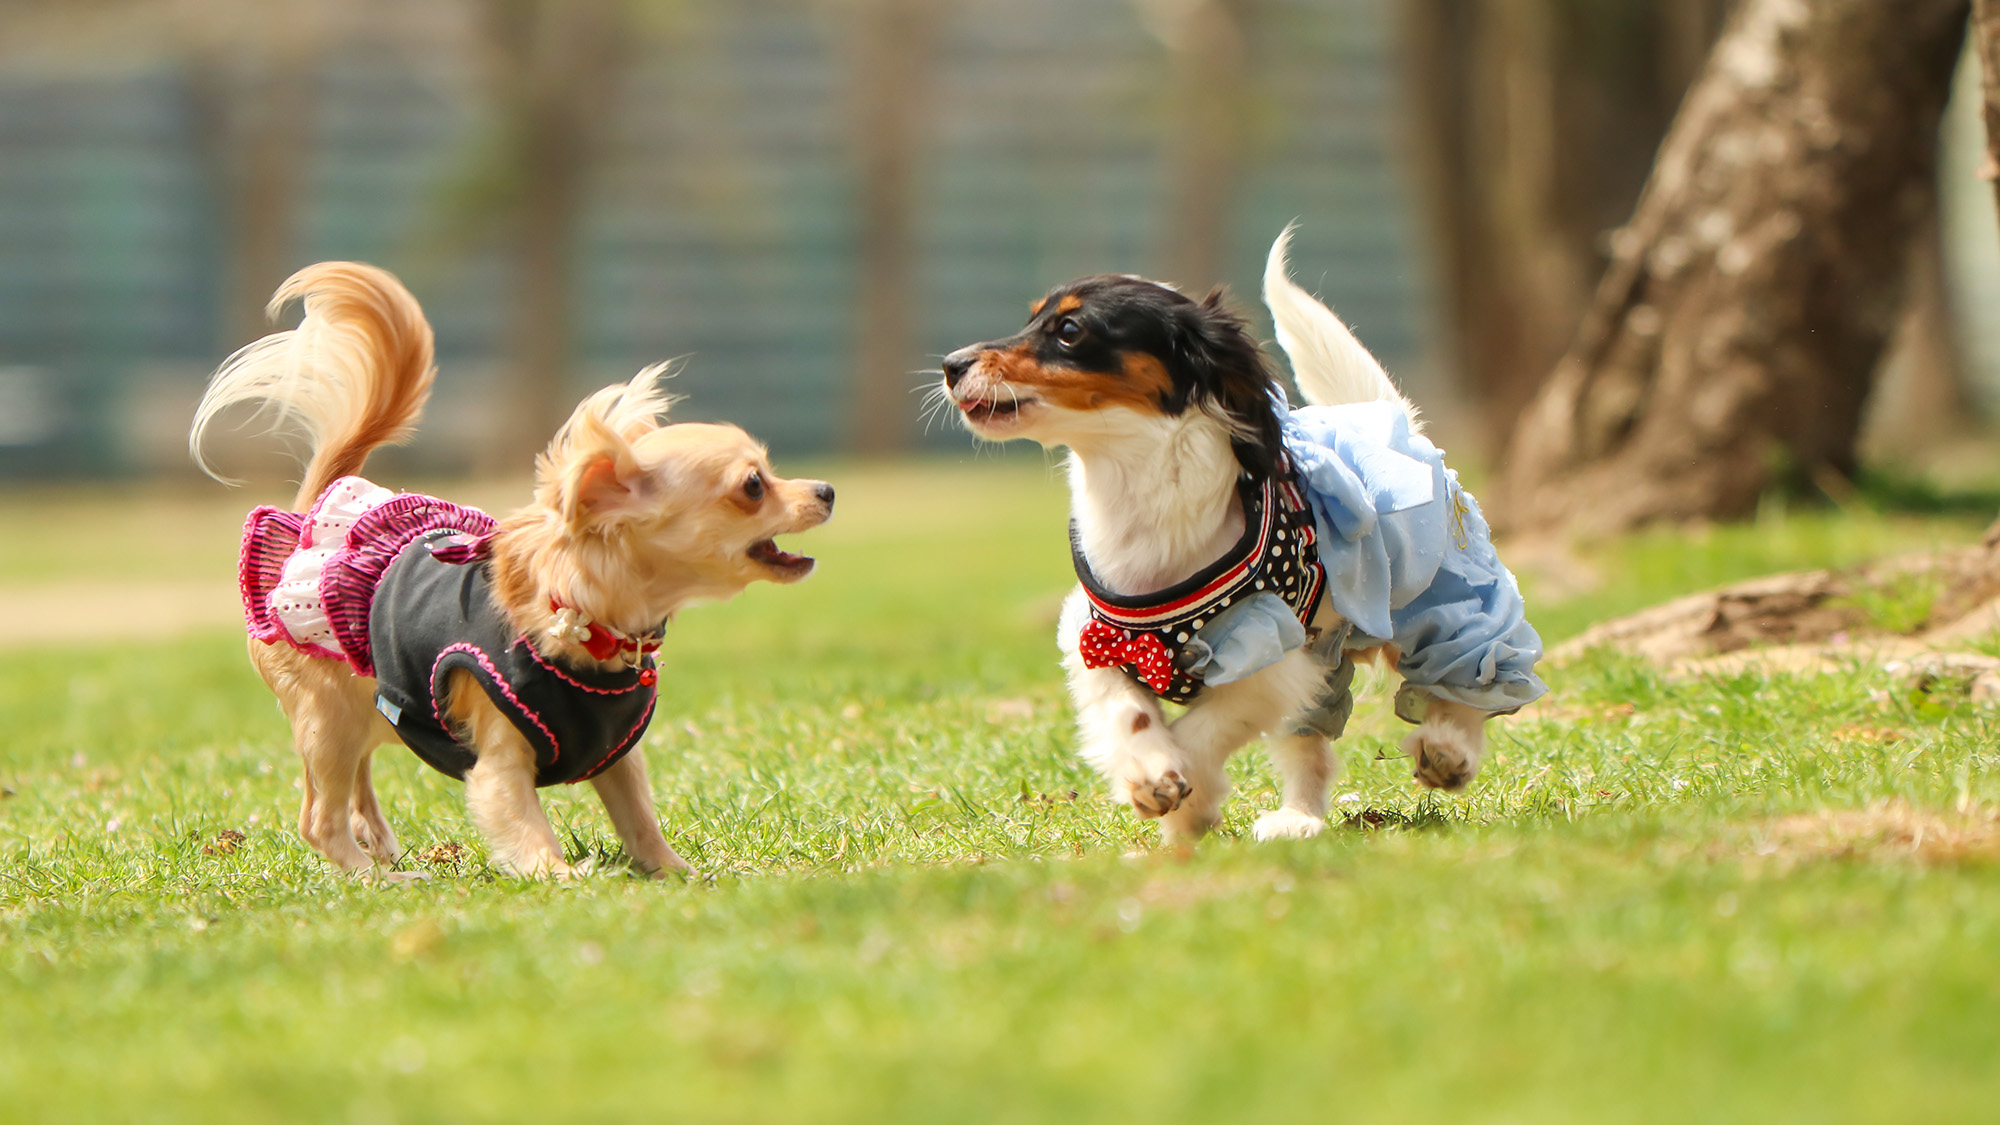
1897	493
1425	818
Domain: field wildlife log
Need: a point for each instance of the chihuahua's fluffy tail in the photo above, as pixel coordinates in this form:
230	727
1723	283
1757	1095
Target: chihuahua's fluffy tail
353	375
1330	365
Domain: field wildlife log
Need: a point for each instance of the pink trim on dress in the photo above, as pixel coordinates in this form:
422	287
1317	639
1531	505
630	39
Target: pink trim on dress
270	535
349	548
347	584
270	542
479	654
638	728
572	681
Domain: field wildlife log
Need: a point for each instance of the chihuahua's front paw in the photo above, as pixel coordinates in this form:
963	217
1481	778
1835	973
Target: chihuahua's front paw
661	866
1445	757
1152	796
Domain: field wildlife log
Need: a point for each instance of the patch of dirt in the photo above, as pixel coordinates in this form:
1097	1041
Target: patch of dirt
1810	615
1886	830
449	854
1781	609
82	612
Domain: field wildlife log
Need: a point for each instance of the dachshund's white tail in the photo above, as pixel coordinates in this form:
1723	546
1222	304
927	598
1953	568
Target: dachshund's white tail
1328	363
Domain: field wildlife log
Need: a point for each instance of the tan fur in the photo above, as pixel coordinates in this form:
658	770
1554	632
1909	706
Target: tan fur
632	519
354	374
1143	385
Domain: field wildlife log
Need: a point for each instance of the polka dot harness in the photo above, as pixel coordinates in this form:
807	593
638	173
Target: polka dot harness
1147	636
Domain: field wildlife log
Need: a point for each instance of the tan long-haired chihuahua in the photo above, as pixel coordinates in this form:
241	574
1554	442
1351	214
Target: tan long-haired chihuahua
514	653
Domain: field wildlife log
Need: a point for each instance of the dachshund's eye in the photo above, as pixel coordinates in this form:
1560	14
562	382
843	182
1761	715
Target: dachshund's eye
1068	331
754	486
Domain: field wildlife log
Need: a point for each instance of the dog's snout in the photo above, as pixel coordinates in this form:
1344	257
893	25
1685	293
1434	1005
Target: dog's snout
957	364
824	491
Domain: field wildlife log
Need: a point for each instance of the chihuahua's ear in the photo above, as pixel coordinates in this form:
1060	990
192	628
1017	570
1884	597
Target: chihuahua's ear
589	473
595	474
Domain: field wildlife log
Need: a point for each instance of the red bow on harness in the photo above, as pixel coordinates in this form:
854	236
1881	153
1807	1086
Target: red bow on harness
1107	646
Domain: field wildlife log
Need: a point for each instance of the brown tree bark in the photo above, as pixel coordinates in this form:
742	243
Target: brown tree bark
890	47
1207	43
555	63
1534	124
1734	337
1920	394
1986	41
267	174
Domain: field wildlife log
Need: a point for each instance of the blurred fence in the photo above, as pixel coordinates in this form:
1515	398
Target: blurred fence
720	216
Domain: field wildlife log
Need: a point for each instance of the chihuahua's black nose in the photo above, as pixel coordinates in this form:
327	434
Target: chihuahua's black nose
824	491
957	364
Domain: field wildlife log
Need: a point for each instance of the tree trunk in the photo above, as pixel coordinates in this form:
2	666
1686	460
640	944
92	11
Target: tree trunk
1207	43
254	97
556	62
891	47
1534	125
272	138
1734	337
1986	41
1920	395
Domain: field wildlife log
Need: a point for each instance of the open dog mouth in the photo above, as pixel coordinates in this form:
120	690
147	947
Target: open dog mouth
777	558
986	412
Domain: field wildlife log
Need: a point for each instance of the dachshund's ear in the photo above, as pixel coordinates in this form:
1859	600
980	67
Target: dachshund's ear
1233	380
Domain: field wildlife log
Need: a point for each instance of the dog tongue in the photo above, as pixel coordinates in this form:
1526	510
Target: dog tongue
769	551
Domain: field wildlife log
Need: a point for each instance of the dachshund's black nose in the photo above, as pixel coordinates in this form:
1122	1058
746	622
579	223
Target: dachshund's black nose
957	364
824	491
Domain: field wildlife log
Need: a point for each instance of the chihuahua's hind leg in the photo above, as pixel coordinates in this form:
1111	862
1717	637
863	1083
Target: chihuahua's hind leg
371	829
333	739
628	799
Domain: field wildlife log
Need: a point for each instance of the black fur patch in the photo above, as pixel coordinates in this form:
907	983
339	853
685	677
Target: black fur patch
1095	324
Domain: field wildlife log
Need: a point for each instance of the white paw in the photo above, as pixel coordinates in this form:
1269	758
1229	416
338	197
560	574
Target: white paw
1286	824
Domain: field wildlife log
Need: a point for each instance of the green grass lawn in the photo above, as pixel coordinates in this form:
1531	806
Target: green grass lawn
914	905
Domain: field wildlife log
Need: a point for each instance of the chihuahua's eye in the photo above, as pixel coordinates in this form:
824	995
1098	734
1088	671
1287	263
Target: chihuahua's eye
754	486
1068	331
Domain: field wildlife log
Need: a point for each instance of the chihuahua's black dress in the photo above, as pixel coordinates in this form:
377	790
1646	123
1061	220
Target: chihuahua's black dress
433	617
397	586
